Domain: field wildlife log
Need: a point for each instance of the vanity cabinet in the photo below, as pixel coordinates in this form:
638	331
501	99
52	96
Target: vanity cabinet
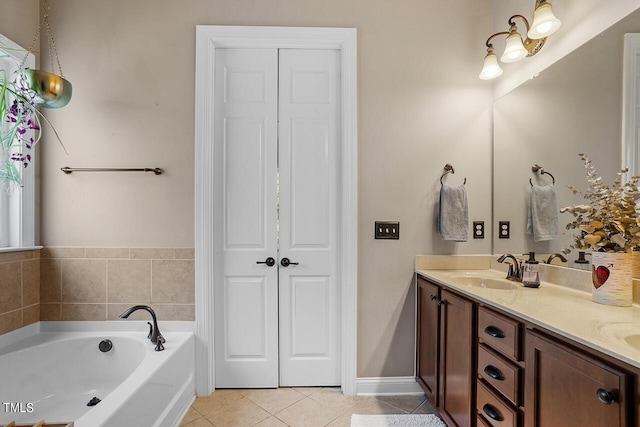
500	369
446	352
569	388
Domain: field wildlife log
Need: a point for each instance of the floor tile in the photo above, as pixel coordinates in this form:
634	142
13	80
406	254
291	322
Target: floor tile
273	400
237	413
370	406
198	422
425	408
333	398
408	403
216	400
271	422
307	390
308	413
191	415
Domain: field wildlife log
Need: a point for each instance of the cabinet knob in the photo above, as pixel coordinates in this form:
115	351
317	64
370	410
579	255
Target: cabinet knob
492	412
441	302
432	297
494	372
494	331
606	397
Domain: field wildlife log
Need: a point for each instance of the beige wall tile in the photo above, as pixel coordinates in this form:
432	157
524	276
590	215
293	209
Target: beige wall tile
129	281
50	311
60	252
184	253
84	280
106	253
10	286
173	281
30	282
83	312
10	321
16	256
151	253
175	311
30	314
50	280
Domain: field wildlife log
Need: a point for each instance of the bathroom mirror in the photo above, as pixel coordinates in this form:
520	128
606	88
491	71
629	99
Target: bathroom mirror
574	106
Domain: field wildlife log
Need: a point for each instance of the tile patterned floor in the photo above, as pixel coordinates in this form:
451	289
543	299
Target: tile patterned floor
294	407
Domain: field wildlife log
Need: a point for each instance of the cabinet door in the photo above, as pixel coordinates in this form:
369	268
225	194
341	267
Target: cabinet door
427	340
563	386
457	361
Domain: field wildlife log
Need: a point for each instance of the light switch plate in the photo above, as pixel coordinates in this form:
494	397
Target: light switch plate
387	230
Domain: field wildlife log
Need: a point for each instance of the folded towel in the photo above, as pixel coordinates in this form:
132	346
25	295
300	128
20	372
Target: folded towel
542	220
453	218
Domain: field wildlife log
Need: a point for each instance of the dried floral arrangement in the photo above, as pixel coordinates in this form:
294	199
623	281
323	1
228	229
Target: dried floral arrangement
609	221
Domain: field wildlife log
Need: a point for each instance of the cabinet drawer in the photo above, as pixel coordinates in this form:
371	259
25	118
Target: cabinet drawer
499	373
500	332
495	410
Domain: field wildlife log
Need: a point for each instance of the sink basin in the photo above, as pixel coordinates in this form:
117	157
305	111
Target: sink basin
483	282
626	332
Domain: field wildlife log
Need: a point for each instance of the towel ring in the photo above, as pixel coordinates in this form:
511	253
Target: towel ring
449	169
535	168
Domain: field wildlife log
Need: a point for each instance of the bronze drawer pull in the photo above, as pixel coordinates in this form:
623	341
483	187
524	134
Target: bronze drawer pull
492	412
605	396
494	331
494	372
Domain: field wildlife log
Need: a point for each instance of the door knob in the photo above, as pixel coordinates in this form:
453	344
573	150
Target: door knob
285	262
269	261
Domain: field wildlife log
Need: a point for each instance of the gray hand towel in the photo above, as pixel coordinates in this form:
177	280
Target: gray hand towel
542	220
453	217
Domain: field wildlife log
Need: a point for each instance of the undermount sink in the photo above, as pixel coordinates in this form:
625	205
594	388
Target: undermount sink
483	282
626	332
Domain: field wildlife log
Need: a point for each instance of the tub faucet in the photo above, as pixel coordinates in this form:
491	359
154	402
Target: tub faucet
552	256
514	269
154	334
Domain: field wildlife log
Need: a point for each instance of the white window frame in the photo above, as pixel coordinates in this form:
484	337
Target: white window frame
20	206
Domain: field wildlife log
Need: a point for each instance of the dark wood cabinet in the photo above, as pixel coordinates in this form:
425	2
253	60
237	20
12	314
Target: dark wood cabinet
427	341
568	388
457	361
446	352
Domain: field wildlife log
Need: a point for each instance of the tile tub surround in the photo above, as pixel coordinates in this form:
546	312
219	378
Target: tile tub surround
100	283
19	289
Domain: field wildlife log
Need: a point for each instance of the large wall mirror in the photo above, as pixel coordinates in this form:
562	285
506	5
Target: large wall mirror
574	106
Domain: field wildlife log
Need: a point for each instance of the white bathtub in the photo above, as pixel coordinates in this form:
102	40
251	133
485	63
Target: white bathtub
51	370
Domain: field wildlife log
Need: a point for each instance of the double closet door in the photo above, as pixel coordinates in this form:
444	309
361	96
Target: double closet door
277	141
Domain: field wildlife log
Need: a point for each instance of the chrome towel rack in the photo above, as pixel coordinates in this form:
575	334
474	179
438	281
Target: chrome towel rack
449	169
68	170
535	168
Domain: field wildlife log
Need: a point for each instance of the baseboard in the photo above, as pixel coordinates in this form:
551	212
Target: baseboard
386	386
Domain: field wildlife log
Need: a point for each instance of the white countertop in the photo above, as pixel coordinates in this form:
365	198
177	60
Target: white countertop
568	312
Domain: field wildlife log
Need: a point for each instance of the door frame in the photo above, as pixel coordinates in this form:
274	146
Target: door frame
208	191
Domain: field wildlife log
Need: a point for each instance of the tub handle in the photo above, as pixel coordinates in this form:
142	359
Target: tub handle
150	330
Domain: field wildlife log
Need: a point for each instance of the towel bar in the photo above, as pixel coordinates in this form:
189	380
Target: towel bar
68	170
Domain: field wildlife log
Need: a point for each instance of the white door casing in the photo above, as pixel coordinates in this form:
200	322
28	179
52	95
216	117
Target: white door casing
246	299
208	188
309	140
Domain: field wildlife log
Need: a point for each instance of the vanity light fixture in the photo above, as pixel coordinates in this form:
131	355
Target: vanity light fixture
544	24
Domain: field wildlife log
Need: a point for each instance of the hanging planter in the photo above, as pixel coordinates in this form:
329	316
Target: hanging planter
611	277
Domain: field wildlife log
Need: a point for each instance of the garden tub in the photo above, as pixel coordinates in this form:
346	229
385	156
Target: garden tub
56	372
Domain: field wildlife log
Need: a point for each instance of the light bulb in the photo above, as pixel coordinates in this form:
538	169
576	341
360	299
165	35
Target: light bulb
544	22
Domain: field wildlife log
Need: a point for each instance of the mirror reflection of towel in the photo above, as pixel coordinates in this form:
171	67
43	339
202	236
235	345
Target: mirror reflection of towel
542	220
453	217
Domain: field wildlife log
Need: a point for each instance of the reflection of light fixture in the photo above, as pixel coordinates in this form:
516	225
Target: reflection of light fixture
51	90
544	24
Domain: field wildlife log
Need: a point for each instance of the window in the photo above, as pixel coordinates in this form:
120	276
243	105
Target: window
17	206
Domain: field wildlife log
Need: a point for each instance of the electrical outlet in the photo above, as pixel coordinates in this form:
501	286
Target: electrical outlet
387	230
478	229
503	229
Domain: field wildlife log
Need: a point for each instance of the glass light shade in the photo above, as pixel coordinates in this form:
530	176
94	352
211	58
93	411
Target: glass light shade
544	22
491	68
514	49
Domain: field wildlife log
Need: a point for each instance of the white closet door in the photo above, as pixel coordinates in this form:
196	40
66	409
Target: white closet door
309	132
246	295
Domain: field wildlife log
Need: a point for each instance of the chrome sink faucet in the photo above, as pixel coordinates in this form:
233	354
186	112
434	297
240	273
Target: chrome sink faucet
154	332
514	268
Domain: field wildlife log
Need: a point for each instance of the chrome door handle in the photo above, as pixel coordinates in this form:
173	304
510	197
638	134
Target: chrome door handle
285	262
269	261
